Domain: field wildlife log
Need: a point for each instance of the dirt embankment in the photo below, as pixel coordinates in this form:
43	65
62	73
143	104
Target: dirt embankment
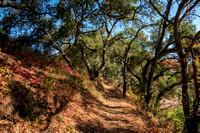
59	104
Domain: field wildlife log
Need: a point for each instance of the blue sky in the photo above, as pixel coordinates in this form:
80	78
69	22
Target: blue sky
174	9
197	20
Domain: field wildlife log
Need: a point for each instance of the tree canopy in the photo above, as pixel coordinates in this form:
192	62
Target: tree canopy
151	46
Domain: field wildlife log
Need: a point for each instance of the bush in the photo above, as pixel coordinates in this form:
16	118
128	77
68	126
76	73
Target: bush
177	117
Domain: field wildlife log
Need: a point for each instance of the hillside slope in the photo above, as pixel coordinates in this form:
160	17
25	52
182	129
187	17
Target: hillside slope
39	95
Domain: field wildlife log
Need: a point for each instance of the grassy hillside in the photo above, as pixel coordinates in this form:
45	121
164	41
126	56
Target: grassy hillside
42	94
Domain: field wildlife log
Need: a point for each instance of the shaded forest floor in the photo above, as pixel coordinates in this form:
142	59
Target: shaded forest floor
115	114
50	97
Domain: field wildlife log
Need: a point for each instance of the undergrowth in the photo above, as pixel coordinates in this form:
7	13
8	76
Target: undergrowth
37	87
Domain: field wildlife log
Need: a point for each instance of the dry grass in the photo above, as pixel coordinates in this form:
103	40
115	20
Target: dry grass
62	103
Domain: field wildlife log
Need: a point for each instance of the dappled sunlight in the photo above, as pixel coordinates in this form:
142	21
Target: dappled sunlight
46	97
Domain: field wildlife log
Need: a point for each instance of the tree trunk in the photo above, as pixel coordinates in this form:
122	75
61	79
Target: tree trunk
125	68
150	80
154	64
184	62
102	67
67	59
195	121
124	78
185	97
82	51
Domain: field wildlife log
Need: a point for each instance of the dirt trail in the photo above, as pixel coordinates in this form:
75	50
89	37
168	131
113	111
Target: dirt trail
72	109
115	115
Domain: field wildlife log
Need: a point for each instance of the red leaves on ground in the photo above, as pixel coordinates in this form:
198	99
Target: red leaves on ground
58	85
155	129
66	113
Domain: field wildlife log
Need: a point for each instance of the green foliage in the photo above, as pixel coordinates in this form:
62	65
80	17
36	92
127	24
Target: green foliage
5	76
112	72
85	32
120	7
177	117
50	83
5	72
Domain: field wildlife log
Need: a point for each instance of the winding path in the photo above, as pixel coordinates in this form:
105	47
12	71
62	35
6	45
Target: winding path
115	115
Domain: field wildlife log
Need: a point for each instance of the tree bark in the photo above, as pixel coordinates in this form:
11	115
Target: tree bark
161	93
103	64
185	95
126	60
158	49
76	43
125	71
67	59
124	80
154	65
195	121
180	15
183	61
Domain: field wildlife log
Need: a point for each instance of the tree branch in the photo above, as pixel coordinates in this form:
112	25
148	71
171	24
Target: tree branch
166	13
193	42
160	74
189	10
137	77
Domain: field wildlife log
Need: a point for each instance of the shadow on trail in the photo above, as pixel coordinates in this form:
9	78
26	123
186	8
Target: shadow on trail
97	127
33	104
109	92
115	116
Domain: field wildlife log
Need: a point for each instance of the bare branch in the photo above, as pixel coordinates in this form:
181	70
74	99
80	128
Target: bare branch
165	17
189	10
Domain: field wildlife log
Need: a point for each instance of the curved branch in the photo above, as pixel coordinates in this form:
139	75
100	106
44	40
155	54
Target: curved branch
197	36
93	50
160	74
189	10
167	11
168	88
137	77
